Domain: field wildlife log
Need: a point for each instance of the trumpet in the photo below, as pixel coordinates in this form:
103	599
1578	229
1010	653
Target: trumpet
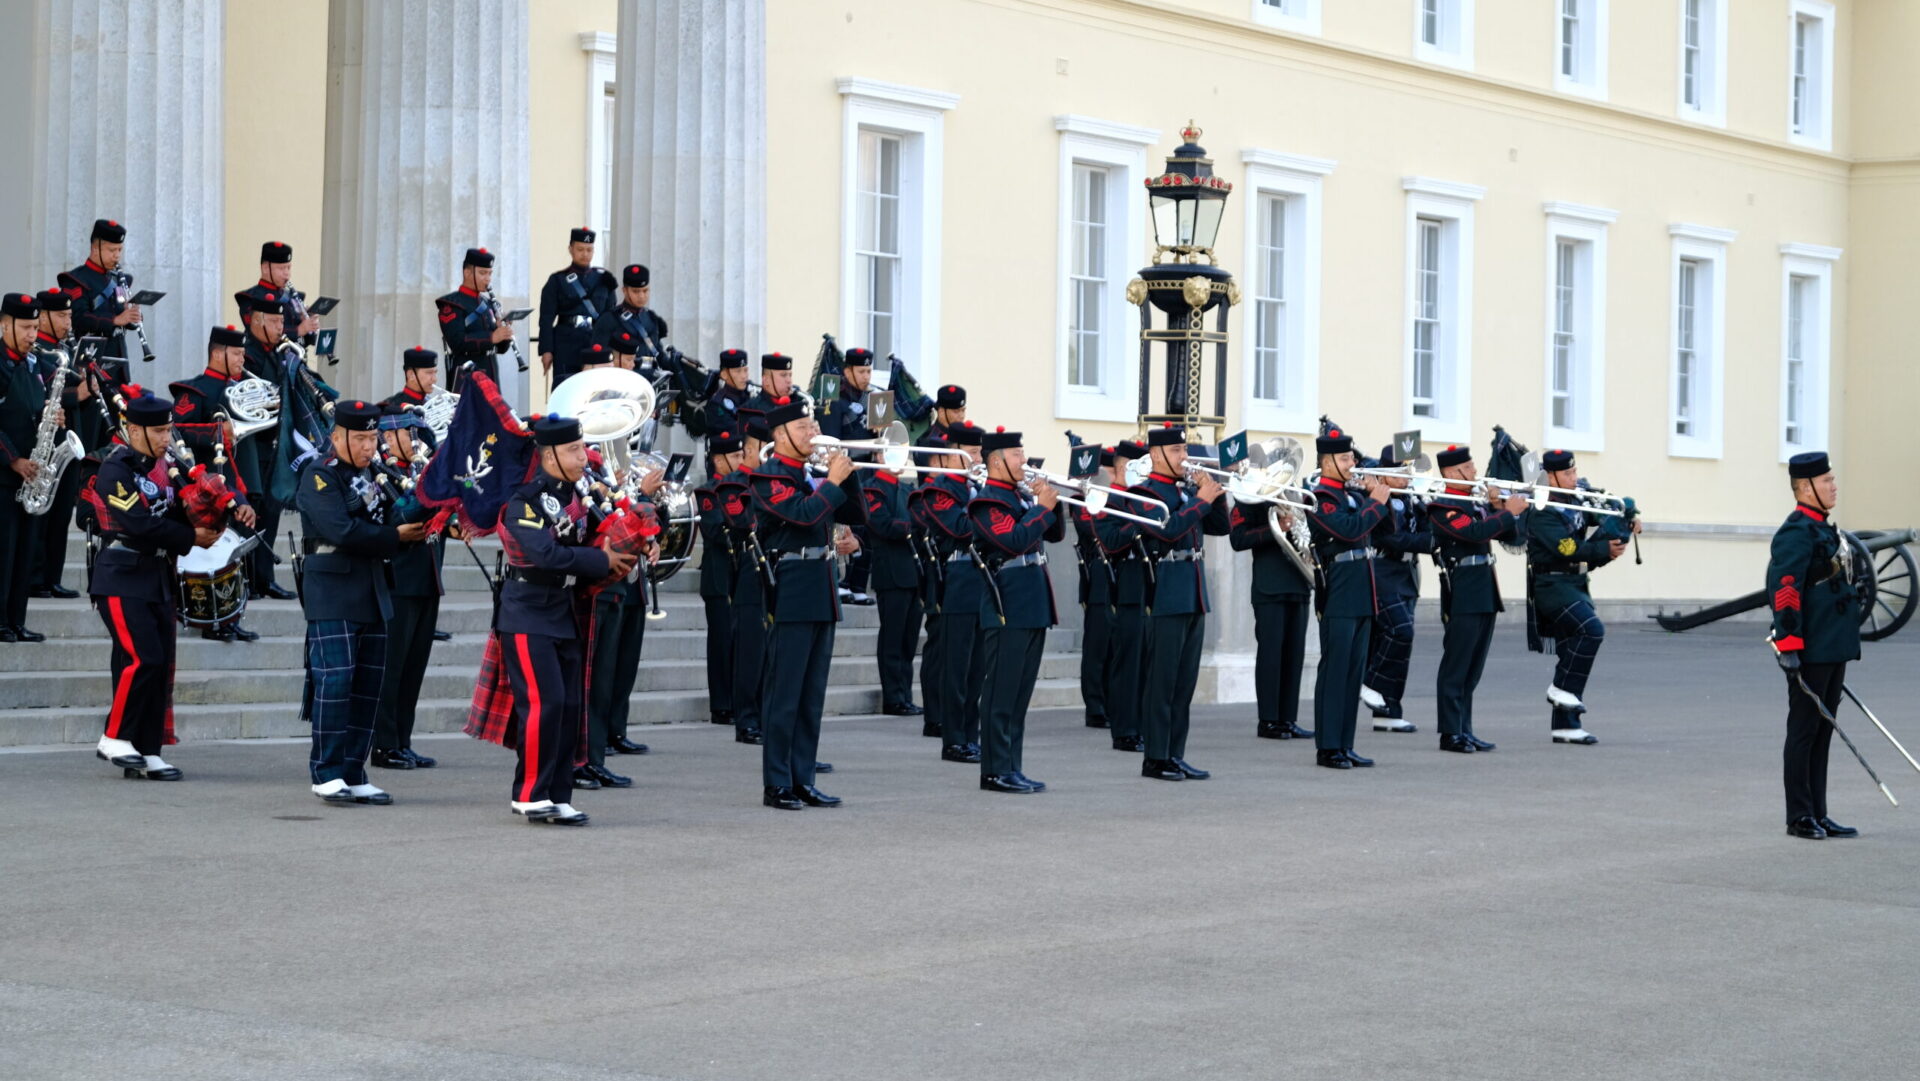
1096	498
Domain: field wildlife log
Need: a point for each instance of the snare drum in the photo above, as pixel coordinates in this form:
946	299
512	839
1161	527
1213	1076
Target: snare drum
213	584
678	527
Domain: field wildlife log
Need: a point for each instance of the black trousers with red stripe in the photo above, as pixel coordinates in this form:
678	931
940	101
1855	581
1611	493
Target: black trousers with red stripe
143	648
547	675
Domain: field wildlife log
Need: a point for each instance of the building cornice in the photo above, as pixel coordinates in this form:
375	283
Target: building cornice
1131	134
1593	215
896	94
1287	163
1706	234
1817	252
1443	189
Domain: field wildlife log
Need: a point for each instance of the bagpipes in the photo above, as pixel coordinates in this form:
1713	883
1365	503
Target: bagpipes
627	527
306	419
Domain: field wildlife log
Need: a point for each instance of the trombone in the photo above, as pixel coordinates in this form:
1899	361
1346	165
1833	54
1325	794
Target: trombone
896	453
1097	497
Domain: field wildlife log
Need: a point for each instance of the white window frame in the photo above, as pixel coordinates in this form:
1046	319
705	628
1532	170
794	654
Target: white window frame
1712	79
1587	226
1298	179
1814	262
1297	16
1818	132
600	49
1121	149
1455	48
918	117
1590	62
1453	205
1706	244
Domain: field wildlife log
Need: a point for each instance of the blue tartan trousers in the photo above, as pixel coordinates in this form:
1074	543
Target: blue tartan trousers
346	662
1577	633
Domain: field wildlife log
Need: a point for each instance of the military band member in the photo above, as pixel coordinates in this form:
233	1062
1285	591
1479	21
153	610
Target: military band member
1133	581
1400	539
276	277
717	568
845	418
470	323
949	409
199	409
142	530
1013	532
1282	598
22	400
962	600
99	294
1816	631
537	627
50	543
632	314
776	382
271	317
795	525
416	591
1342	524
751	577
1180	601
571	302
731	393
887	543
1096	606
346	537
1563	545
933	578
1463	536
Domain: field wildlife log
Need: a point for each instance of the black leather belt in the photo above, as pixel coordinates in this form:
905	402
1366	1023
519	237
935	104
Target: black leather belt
818	552
1353	554
316	548
1031	559
1474	561
121	544
1184	555
537	577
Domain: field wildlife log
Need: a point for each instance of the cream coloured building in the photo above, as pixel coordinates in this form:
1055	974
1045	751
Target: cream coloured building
1669	234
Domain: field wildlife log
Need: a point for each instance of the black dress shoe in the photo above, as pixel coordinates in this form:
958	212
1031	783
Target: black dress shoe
1835	829
22	634
623	745
1192	773
961	753
1161	770
747	735
7	635
61	592
1037	786
1358	762
902	709
930	730
1455	743
721	716
442	636
277	592
823	767
1806	827
386	759
1005	782
1299	732
171	773
1272	731
1478	743
782	799
584	779
241	634
1331	759
1098	722
1133	744
420	761
608	778
813	797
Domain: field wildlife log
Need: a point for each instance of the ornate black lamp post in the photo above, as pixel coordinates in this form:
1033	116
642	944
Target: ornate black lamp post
1187	202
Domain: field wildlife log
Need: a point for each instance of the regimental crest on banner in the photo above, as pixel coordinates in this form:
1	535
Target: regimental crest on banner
1233	450
880	409
1085	461
1406	445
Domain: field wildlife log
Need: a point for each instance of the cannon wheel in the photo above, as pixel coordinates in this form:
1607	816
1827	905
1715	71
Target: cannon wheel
1893	579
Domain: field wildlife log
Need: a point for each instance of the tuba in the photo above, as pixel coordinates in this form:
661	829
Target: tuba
610	404
1271	476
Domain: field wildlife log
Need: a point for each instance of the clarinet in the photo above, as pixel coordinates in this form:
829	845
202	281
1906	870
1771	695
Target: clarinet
519	359
122	283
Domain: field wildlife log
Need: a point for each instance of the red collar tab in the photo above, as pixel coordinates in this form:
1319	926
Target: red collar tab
1814	513
265	284
468	291
43	336
1330	484
218	374
998	483
11	355
1161	477
888	477
412	393
794	462
93	266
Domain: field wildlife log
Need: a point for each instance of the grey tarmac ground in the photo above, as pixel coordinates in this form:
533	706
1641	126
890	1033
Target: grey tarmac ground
1632	910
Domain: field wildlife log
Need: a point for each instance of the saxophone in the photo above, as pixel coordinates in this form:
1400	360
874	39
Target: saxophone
51	452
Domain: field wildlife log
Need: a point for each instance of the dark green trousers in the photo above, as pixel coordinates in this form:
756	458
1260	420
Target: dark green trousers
619	632
1011	656
1463	654
1127	670
1344	641
409	648
1172	674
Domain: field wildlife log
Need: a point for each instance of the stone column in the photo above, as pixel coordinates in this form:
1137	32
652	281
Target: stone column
689	179
125	104
426	157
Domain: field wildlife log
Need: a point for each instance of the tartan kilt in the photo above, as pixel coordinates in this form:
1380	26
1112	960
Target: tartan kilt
490	714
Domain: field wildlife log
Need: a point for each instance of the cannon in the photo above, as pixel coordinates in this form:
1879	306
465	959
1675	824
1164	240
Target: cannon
1883	576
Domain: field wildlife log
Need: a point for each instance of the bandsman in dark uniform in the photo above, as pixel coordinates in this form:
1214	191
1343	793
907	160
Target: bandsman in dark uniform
887	542
932	573
731	394
50	551
949	409
347	534
1400	539
1096	606
420	370
1013	532
276	278
1131	647
470	324
717	568
571	302
417	566
776	382
270	317
752	575
963	598
1816	631
845	418
199	409
1180	601
795	525
632	314
142	530
1563	545
1463	536
98	290
1342	525
1282	599
22	399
